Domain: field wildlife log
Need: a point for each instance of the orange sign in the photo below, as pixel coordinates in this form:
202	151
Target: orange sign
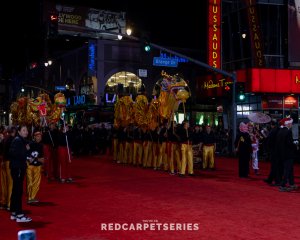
214	33
291	102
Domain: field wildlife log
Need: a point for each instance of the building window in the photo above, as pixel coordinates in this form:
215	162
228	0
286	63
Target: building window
124	82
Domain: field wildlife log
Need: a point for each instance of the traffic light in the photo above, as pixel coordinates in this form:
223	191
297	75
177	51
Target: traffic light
53	25
240	92
147	47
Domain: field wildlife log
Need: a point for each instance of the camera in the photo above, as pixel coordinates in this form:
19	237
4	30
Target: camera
29	234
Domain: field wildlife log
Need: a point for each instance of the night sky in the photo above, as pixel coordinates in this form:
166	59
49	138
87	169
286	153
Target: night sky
180	24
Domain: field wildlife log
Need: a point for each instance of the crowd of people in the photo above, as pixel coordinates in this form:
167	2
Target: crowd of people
27	156
171	147
280	145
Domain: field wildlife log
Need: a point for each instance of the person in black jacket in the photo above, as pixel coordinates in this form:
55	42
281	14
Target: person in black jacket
286	152
18	163
244	149
275	171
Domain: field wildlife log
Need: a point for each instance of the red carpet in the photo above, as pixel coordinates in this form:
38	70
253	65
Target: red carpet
223	206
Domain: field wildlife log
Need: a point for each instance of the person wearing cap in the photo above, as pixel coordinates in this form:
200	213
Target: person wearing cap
208	147
243	148
35	160
286	153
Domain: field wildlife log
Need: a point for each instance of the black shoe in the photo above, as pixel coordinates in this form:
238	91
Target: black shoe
181	175
267	181
191	174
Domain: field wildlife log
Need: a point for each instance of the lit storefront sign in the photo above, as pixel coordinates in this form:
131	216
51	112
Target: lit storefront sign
279	102
216	84
272	102
80	100
255	34
270	80
291	102
214	33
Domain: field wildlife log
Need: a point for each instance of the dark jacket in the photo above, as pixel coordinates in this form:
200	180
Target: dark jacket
18	153
285	144
243	144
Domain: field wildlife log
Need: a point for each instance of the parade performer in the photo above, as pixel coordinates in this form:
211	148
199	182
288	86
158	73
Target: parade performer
34	168
209	148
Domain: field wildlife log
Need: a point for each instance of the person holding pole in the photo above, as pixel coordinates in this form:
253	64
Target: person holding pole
63	154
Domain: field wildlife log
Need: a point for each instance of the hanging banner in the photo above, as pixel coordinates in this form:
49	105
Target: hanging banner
255	34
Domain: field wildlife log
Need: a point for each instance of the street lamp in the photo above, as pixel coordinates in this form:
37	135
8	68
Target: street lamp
48	63
128	31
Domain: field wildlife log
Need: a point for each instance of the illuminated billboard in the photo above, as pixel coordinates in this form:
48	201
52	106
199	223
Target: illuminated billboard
83	20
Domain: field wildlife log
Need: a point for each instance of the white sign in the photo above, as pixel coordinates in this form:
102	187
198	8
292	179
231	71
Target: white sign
143	73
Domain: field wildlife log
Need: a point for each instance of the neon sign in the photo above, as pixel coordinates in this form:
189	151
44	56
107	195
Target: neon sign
214	33
220	83
91	58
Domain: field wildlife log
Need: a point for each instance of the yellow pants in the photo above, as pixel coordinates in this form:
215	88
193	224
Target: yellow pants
155	152
208	156
115	149
128	152
120	156
33	180
174	155
6	184
146	153
137	153
187	158
163	157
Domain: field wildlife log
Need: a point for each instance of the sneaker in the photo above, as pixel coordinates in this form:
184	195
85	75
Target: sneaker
293	187
69	180
283	189
267	181
32	201
13	216
23	218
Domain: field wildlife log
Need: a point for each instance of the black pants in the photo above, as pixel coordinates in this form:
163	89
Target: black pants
17	175
276	171
288	172
244	165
